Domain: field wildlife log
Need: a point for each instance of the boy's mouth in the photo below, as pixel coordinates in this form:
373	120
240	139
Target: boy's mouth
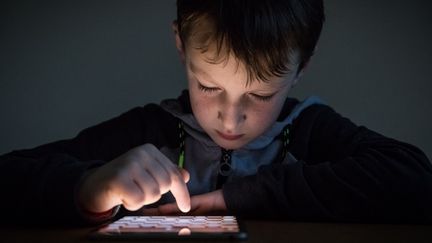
230	137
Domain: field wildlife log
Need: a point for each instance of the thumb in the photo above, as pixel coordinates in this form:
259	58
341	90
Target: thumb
185	174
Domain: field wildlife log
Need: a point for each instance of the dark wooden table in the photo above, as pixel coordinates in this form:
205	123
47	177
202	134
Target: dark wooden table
259	231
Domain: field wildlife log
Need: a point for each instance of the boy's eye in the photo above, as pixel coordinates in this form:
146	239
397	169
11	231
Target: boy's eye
207	89
263	97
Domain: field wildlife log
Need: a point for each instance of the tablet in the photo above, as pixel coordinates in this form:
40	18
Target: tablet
172	227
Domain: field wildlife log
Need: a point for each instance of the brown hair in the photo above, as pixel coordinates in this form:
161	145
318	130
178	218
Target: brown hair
262	34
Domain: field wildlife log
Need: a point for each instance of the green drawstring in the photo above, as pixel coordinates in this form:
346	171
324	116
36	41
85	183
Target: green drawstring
182	145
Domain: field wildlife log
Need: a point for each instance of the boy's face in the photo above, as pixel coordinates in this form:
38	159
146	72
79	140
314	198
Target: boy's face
231	112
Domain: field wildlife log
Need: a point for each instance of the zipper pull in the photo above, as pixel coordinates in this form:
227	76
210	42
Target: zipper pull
225	168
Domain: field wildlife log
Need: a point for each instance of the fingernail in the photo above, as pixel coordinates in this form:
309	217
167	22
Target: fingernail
185	209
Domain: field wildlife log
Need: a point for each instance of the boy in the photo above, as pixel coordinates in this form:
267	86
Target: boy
234	143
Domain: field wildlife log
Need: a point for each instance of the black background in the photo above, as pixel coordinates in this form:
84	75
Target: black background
67	65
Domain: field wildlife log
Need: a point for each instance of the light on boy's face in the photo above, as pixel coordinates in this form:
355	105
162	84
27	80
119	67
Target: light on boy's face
230	111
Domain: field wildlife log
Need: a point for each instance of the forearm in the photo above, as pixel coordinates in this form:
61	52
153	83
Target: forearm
388	183
42	188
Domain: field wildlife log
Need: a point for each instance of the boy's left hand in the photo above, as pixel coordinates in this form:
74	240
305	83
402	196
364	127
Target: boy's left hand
211	203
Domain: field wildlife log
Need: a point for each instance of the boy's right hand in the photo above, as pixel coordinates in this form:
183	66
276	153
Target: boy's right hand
136	178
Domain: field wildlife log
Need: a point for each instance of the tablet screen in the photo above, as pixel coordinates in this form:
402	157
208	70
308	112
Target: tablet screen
172	227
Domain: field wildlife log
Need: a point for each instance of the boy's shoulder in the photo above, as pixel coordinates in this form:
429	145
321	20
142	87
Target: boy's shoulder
309	107
161	112
149	113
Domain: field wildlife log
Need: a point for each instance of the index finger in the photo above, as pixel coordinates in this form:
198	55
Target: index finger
180	193
178	186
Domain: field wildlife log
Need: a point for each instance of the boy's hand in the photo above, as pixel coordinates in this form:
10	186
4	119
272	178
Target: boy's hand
137	178
211	203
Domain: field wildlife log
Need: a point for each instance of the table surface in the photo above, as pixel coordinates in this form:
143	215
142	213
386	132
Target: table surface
258	231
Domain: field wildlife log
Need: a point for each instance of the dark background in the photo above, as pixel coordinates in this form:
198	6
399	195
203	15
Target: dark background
65	66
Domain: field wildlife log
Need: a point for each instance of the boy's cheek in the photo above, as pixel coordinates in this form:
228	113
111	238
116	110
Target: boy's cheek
203	108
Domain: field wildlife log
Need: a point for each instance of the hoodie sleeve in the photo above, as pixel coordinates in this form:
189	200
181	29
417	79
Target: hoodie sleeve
345	173
41	182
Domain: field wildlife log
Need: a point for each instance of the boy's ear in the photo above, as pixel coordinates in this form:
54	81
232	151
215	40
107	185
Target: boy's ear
300	73
302	68
178	42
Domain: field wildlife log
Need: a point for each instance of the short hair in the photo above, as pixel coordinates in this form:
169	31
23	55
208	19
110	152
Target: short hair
262	34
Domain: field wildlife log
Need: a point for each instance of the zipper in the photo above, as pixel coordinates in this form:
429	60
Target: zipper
225	168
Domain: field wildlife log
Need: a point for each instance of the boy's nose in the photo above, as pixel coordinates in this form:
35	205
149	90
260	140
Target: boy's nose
231	116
